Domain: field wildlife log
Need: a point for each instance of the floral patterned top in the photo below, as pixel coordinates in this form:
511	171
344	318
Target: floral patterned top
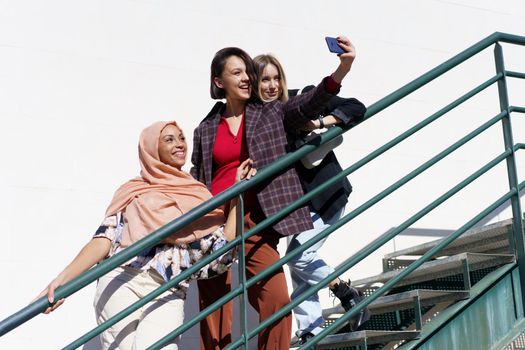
170	260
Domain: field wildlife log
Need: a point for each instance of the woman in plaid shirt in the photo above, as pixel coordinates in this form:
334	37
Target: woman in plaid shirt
233	131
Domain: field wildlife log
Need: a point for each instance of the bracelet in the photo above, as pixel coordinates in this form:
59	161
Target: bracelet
321	122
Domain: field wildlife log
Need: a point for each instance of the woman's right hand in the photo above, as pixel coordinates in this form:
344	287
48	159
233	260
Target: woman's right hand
50	292
92	253
245	171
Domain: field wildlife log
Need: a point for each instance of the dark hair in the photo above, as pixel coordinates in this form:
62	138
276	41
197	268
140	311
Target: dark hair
217	67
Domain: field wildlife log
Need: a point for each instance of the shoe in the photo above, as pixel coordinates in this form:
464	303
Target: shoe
359	321
350	297
298	341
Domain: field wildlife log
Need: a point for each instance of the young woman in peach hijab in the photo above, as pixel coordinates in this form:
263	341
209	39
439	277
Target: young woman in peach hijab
160	194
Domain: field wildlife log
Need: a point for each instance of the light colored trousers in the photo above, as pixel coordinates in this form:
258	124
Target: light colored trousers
120	288
308	269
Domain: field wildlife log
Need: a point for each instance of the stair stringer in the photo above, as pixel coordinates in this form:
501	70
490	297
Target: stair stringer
477	323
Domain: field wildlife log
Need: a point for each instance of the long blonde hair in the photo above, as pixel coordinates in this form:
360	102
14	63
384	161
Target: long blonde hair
260	62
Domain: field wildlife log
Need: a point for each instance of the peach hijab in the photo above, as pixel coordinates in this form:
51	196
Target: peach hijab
160	194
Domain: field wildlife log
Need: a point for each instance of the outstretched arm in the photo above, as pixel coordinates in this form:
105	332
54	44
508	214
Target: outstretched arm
93	252
346	59
299	109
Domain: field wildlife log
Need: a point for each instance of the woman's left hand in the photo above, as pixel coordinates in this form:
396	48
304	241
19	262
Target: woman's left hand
348	57
245	171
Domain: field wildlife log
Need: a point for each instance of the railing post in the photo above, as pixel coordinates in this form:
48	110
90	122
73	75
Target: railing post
517	216
466	275
242	273
417	313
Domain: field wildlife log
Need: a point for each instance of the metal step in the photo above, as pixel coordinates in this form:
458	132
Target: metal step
365	338
405	300
483	239
448	266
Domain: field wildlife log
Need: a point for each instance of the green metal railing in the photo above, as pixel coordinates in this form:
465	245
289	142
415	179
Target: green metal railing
508	155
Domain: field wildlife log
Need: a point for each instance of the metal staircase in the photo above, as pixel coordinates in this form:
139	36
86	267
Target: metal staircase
400	316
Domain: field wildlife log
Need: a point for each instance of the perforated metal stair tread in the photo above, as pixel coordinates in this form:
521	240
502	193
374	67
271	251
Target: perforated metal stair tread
487	239
405	300
448	266
371	337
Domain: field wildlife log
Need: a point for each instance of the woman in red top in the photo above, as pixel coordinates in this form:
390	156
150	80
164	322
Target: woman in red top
244	127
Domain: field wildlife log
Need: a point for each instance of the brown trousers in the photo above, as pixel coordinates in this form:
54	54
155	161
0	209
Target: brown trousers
267	296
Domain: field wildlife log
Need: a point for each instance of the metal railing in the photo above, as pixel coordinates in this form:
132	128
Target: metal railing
515	187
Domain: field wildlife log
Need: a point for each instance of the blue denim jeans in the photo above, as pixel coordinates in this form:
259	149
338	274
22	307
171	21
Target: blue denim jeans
308	269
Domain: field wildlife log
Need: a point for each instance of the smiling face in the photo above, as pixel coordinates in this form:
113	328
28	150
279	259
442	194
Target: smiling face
271	80
172	146
234	80
270	88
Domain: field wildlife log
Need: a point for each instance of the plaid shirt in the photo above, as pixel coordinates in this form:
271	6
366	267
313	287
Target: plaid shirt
266	142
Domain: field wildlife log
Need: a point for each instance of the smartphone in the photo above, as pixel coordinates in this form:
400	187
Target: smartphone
333	46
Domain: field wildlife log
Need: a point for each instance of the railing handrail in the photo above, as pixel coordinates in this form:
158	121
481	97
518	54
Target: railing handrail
444	67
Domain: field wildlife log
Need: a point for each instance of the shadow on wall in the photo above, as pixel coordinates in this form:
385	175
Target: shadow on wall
93	344
190	340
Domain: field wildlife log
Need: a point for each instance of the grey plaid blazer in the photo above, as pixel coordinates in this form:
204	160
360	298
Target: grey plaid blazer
265	137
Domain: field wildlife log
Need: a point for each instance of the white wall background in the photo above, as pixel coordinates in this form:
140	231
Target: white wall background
80	79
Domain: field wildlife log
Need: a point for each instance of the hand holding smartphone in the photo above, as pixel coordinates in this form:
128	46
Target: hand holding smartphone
333	46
